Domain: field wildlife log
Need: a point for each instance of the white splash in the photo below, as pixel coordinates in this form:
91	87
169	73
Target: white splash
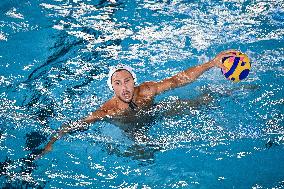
13	14
3	37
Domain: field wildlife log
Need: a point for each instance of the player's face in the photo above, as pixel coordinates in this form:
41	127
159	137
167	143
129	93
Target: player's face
123	85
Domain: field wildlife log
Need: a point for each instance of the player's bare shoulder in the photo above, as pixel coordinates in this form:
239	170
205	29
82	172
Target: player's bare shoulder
147	89
110	105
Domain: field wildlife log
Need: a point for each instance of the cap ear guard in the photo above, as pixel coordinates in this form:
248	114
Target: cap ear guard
113	69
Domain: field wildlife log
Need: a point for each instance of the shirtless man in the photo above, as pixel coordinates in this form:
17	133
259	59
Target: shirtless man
129	99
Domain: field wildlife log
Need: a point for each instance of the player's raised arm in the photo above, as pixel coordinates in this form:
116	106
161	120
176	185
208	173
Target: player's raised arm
189	75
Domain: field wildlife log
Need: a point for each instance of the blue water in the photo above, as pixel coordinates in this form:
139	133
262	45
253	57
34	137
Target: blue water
54	61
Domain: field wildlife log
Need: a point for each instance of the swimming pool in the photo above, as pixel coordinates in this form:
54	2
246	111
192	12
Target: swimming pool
55	57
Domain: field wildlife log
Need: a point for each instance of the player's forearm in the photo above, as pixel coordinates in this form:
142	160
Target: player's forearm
75	126
192	73
65	129
52	140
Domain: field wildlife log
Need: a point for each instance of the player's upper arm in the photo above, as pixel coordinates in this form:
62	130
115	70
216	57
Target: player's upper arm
151	88
164	85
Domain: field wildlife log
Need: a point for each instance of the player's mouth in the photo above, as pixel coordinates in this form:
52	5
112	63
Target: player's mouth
127	95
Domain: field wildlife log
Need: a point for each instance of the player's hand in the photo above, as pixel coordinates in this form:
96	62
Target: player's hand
217	61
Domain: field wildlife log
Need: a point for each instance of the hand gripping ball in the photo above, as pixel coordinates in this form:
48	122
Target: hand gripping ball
237	64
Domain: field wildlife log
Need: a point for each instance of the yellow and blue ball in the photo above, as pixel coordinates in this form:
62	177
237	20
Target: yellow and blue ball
237	64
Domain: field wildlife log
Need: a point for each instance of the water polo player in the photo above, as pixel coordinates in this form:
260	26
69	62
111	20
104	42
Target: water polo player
128	98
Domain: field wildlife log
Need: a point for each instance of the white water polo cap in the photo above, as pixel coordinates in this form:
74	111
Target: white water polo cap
114	69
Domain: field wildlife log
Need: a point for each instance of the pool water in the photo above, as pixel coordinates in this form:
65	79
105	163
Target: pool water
55	56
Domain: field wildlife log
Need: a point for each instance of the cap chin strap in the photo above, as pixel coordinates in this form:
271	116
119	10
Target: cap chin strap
132	105
113	69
